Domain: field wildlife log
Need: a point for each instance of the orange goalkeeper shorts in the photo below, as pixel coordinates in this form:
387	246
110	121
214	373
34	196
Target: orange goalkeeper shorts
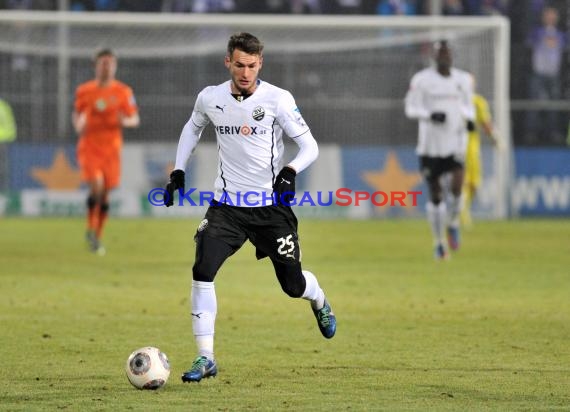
96	164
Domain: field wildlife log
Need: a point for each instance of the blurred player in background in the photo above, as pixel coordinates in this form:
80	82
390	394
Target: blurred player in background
103	106
250	118
441	99
7	122
473	165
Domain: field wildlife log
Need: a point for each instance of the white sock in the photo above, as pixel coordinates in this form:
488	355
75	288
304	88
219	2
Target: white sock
204	309
455	204
436	218
313	291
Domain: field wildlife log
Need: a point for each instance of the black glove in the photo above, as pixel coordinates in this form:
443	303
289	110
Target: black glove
438	117
177	180
285	183
470	125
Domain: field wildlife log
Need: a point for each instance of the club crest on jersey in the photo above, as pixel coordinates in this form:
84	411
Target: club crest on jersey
100	105
258	113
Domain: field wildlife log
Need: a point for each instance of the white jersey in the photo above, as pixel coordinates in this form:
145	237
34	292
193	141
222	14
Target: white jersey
250	137
432	92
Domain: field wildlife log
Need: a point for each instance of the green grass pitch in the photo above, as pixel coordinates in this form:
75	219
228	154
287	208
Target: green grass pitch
487	330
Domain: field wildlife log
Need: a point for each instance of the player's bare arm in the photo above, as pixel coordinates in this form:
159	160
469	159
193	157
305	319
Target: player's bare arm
132	121
79	120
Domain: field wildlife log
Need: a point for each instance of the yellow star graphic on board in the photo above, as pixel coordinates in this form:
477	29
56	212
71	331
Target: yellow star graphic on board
393	178
60	175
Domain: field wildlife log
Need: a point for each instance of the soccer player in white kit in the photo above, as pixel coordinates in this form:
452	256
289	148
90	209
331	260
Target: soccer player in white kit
441	99
252	190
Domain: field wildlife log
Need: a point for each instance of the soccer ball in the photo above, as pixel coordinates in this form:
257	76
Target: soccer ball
148	368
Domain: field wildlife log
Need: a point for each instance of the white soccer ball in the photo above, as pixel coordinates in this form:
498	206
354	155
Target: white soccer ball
148	368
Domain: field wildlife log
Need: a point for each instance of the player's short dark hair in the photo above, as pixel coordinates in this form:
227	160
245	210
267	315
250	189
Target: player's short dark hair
104	52
245	42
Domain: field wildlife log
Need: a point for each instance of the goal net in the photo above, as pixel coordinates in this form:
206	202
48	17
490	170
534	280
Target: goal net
349	74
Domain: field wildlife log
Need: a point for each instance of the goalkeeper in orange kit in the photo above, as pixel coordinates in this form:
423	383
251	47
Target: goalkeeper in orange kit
103	106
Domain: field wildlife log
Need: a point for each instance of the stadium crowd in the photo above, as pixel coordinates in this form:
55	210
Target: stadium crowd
384	7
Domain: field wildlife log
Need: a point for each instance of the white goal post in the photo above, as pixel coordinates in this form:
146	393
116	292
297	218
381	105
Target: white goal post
348	73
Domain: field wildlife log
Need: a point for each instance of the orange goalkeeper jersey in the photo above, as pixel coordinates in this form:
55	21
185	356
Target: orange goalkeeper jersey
103	107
